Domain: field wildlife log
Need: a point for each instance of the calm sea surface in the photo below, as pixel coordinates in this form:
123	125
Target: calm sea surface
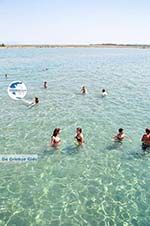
101	184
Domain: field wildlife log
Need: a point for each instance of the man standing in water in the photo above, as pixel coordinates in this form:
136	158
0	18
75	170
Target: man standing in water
146	140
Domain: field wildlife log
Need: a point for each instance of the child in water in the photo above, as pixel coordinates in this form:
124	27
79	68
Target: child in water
79	136
84	90
55	139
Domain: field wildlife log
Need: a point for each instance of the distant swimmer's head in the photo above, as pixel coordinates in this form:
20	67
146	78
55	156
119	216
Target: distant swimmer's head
36	100
120	130
103	90
56	132
147	130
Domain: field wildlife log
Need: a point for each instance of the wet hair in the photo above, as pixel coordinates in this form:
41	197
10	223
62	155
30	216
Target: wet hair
147	131
79	129
55	132
120	130
36	100
103	90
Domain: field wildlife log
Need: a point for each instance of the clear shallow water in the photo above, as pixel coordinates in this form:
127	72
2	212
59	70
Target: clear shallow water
100	184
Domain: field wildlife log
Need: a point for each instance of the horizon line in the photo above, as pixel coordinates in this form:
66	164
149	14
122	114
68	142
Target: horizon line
3	45
103	43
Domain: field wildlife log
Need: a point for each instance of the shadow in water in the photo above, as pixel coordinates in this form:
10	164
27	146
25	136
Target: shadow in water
49	151
72	149
141	153
115	146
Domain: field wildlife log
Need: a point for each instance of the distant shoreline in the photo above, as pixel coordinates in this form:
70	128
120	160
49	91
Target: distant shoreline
141	46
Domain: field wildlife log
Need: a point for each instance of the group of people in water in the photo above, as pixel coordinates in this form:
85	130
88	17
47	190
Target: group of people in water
79	138
55	138
85	91
119	137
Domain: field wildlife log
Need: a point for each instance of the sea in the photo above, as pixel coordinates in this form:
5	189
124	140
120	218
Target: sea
102	183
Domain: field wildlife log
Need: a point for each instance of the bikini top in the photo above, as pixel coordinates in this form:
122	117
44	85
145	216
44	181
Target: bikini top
55	141
79	138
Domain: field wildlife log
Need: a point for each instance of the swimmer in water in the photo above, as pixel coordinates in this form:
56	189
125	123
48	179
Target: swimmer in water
45	85
79	136
146	140
46	69
55	139
104	93
84	90
120	136
6	76
34	102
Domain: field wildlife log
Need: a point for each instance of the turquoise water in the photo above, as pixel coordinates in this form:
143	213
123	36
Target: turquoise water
99	184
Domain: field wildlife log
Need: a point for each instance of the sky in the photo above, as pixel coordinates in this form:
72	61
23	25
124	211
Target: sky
74	21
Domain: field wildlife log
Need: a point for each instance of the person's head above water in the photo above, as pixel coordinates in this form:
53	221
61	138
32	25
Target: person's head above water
103	90
78	130
56	132
120	130
147	130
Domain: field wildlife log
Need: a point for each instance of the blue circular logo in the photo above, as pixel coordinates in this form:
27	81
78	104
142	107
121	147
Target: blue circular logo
17	90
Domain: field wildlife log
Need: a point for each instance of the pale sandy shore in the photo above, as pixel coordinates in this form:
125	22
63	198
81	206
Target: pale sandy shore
141	46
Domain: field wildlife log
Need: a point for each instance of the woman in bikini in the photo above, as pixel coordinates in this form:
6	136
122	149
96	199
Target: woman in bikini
55	139
79	136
